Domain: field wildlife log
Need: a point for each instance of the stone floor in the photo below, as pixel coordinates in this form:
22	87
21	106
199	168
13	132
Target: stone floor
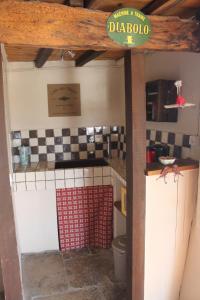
75	275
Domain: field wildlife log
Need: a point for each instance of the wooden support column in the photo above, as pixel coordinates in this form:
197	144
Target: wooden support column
136	161
8	243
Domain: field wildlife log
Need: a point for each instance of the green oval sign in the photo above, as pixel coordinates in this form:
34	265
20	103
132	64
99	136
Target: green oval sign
129	27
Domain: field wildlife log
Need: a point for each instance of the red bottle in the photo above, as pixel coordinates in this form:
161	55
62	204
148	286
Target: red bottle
150	156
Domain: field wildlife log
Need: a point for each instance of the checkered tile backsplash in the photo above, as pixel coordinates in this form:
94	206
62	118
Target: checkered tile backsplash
179	143
69	143
89	142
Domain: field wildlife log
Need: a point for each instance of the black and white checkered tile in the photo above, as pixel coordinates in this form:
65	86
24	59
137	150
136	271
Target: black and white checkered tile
89	142
122	143
179	143
68	143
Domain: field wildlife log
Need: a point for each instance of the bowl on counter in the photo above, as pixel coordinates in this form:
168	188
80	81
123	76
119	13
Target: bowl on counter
167	160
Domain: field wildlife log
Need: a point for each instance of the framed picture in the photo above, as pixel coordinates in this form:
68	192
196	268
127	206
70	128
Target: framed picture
64	100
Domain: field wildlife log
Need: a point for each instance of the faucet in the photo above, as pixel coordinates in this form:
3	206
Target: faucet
109	146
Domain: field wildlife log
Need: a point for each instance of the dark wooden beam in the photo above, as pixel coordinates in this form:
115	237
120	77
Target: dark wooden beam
87	57
64	27
152	6
44	53
88	3
9	259
161	7
42	56
136	151
75	3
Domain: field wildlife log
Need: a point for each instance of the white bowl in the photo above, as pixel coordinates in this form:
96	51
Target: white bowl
167	160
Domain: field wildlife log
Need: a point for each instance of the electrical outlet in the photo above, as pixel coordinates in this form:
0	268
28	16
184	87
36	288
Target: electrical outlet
194	140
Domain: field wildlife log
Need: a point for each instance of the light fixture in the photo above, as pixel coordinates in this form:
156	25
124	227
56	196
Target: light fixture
180	100
67	52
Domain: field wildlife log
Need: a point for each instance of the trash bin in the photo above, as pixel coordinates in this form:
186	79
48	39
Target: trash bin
119	251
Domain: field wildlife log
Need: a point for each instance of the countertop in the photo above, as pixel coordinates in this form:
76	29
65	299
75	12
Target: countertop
183	164
34	167
117	164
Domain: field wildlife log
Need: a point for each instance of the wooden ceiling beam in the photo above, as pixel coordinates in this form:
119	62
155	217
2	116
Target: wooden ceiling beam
90	54
148	9
63	27
89	3
111	5
86	3
152	6
42	56
87	57
75	3
44	53
160	7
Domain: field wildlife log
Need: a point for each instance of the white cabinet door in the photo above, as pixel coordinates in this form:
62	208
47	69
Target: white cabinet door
190	283
36	220
169	213
160	237
187	195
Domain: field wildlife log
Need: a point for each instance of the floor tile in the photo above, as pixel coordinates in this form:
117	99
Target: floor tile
89	294
113	291
76	275
78	253
88	270
43	274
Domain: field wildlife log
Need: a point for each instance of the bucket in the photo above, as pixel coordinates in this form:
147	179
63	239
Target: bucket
119	251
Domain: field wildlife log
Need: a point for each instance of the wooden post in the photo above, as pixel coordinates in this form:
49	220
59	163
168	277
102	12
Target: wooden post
8	244
136	149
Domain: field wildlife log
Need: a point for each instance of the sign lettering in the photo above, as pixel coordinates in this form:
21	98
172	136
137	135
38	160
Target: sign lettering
129	27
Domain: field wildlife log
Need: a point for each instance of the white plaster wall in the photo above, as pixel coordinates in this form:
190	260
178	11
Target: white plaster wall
102	94
184	66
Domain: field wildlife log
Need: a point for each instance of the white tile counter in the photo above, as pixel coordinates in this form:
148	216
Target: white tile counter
34	191
43	176
61	178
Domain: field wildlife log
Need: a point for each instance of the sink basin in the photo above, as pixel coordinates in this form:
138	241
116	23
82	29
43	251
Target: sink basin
82	163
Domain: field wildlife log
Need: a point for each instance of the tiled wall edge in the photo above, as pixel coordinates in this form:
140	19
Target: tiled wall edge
58	179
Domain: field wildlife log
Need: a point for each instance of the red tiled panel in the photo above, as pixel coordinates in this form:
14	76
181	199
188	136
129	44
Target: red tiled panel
85	217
